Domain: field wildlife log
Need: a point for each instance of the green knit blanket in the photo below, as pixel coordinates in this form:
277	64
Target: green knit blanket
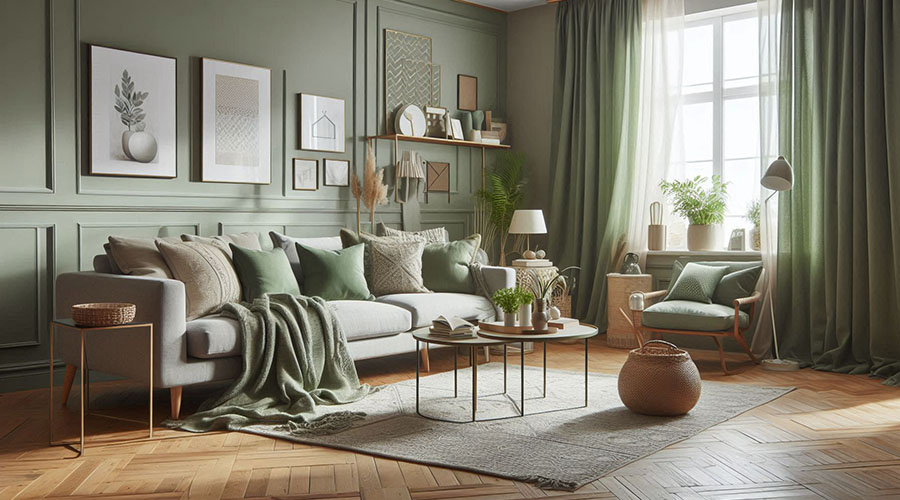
295	358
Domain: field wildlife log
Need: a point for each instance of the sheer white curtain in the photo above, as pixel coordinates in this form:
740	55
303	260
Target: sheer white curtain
769	12
660	95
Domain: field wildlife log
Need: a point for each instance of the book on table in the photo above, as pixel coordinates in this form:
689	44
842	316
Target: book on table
452	326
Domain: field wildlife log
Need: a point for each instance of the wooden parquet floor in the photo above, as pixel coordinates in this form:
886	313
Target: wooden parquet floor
836	436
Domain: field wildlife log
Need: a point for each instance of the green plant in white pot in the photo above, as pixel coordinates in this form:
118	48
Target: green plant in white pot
702	206
507	300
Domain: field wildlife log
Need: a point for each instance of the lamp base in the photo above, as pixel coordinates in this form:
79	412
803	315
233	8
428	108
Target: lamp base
780	365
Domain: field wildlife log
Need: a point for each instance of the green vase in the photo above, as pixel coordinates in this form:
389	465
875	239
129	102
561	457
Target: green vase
477	119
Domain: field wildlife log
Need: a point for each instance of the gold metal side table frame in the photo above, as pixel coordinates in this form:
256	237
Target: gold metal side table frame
68	323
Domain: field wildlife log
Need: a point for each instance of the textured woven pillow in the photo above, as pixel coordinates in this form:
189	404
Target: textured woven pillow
139	256
210	280
396	266
243	240
432	235
697	283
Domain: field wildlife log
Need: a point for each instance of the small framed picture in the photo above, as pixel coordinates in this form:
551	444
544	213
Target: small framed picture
306	174
466	92
437	178
321	123
337	173
457	132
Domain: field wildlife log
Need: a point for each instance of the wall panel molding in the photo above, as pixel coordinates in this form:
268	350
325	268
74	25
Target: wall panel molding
43	271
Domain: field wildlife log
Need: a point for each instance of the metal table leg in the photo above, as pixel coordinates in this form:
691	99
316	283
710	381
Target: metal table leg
473	353
522	375
504	369
455	371
585	373
418	347
545	369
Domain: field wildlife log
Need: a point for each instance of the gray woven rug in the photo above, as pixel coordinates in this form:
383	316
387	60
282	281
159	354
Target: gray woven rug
560	450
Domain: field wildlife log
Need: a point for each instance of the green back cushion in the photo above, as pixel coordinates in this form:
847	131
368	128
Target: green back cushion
334	274
731	266
697	283
263	271
736	285
445	266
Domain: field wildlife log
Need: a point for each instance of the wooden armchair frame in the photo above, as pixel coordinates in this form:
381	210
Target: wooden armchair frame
737	333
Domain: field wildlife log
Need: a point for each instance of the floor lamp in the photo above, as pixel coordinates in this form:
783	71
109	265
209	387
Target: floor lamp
778	177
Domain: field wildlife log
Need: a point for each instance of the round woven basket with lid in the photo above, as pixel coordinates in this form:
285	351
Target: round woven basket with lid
103	313
659	379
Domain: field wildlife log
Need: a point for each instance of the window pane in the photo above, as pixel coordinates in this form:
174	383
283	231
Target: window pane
740	133
697	120
743	178
702	168
698	55
740	48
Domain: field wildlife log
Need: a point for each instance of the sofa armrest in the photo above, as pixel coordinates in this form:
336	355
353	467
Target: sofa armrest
124	352
498	278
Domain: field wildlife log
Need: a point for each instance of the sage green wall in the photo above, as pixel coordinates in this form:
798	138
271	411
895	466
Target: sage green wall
54	217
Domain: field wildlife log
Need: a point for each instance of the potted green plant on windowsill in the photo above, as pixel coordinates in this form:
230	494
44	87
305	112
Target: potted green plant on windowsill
753	217
703	207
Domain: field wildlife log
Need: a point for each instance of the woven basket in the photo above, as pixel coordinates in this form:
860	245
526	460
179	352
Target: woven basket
659	379
103	313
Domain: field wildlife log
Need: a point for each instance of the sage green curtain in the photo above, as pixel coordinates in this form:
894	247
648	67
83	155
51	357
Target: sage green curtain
593	141
839	228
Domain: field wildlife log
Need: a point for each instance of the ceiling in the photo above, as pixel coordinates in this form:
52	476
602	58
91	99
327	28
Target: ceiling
506	5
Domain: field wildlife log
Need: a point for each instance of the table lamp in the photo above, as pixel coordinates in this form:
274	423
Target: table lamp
527	222
778	177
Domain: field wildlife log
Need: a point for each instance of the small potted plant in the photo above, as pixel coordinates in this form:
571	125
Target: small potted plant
753	217
507	300
703	207
525	300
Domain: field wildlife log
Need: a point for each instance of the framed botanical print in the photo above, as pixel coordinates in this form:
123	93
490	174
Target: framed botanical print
236	122
306	174
132	113
337	173
321	123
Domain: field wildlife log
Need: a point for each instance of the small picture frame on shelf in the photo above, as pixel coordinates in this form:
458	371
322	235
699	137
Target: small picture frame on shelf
457	132
306	174
437	178
337	173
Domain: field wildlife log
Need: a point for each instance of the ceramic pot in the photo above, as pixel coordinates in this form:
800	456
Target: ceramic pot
704	237
659	379
477	119
554	313
525	314
540	316
465	119
139	146
754	239
509	319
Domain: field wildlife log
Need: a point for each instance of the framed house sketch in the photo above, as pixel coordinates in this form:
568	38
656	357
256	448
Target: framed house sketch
321	123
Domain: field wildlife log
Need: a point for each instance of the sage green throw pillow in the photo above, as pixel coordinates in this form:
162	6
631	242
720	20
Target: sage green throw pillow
445	266
334	274
737	285
263	271
697	283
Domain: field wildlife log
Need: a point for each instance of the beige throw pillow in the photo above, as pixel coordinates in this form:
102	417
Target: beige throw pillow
243	240
209	278
139	256
432	235
396	266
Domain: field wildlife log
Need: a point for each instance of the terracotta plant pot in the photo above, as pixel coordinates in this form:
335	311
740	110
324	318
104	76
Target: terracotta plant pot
659	379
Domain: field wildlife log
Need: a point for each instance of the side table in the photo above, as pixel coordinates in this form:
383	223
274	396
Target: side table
619	332
85	330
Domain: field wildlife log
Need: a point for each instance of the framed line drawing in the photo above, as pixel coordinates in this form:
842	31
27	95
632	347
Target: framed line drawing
306	174
437	178
236	122
132	113
337	173
321	123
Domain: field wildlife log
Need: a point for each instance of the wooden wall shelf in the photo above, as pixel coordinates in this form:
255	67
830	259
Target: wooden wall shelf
436	140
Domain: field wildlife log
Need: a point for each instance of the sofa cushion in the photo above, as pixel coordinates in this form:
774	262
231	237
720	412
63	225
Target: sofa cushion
730	267
219	337
289	245
425	307
334	274
692	316
697	283
210	280
397	266
263	271
244	240
445	266
736	285
139	256
431	235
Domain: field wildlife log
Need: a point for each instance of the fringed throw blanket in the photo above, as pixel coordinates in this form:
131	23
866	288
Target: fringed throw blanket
295	358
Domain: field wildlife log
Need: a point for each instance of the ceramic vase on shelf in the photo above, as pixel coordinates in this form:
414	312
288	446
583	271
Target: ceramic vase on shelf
509	319
540	316
525	314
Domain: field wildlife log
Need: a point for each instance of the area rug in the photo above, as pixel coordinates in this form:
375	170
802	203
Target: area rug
559	450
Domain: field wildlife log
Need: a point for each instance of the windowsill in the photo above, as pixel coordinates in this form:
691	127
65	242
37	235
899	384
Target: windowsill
731	253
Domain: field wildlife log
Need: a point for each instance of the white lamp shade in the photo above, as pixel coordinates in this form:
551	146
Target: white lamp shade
528	222
779	176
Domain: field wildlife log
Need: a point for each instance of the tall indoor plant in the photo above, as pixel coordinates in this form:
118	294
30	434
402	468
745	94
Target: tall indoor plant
501	195
702	206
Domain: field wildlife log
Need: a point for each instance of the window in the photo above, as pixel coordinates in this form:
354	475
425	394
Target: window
720	110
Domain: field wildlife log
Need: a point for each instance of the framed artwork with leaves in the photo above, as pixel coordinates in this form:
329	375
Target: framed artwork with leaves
132	113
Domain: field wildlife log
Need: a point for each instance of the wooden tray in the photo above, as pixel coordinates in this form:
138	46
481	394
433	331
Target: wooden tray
499	327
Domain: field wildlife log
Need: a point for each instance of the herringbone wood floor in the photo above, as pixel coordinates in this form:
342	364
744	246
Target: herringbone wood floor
836	436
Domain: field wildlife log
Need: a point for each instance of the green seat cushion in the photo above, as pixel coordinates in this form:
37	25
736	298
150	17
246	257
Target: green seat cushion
445	266
736	285
263	271
697	282
334	274
692	316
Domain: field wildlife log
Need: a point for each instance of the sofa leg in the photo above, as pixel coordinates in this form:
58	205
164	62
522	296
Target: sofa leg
426	362
175	400
67	383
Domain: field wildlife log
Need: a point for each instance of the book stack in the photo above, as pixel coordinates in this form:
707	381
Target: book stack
532	263
452	327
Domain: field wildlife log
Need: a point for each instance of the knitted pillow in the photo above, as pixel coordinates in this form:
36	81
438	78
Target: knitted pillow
697	283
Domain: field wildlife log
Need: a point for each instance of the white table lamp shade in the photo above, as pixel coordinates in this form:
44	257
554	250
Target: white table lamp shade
527	222
779	176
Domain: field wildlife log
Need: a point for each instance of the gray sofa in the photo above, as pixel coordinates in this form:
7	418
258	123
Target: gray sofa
208	349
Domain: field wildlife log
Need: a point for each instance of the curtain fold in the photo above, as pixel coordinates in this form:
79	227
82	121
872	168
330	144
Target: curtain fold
838	302
594	125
